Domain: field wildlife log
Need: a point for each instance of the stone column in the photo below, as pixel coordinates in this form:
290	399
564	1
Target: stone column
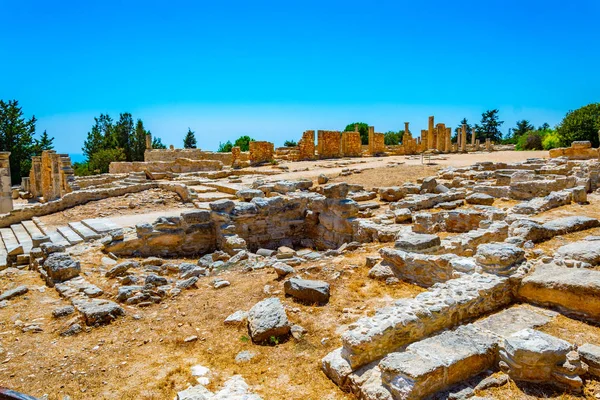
463	139
477	145
148	141
488	144
448	138
51	177
35	176
430	142
407	131
473	136
441	141
371	140
6	201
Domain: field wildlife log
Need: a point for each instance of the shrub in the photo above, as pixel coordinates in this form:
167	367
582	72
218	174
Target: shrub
581	124
290	143
551	141
100	160
530	141
225	147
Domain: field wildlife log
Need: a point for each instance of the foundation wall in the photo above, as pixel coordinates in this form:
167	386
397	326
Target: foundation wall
329	144
261	152
192	154
178	166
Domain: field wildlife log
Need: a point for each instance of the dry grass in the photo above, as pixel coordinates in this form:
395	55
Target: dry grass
148	359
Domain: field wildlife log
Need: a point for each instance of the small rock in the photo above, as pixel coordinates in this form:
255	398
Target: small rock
63	311
220	283
282	269
244	356
190	339
238	317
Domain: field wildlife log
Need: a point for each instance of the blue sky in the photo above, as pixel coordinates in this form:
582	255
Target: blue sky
274	69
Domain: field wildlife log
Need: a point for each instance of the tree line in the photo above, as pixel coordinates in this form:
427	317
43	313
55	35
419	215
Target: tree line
17	135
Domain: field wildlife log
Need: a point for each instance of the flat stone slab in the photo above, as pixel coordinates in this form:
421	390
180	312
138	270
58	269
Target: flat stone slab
574	291
100	225
69	234
583	250
86	233
12	293
417	242
436	363
97	311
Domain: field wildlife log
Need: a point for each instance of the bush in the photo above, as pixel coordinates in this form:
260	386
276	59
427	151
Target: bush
581	124
100	160
290	143
81	169
530	141
551	141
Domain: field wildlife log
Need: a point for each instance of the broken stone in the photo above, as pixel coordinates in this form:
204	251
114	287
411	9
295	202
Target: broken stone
499	258
480	199
61	267
12	293
282	269
417	242
306	290
121	269
267	319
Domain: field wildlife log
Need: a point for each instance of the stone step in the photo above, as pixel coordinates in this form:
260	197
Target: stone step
41	226
86	233
32	228
100	225
23	237
408	320
229	188
69	234
8	237
57	238
436	363
574	291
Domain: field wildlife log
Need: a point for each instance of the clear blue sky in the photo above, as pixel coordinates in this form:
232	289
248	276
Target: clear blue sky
275	69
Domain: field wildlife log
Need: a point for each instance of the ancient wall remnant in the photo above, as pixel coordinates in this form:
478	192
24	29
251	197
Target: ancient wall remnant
178	166
148	141
192	154
6	201
261	152
351	144
329	144
306	146
51	175
35	177
581	150
376	142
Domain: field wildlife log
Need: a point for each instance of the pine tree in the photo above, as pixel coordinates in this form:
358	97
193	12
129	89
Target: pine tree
139	141
45	142
189	142
490	126
458	130
124	133
16	136
157	143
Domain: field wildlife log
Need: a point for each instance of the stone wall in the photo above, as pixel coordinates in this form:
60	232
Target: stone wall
328	144
376	142
179	165
261	152
35	177
351	144
306	146
192	154
84	196
578	151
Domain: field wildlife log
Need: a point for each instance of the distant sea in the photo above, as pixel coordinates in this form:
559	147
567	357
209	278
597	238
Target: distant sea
77	157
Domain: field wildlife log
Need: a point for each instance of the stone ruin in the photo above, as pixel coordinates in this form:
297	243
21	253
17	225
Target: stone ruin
578	151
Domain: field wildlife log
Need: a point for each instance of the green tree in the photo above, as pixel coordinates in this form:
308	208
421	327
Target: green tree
225	147
139	141
157	143
243	142
189	142
392	138
490	126
100	136
581	124
123	134
290	143
16	136
363	128
458	130
523	126
45	142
